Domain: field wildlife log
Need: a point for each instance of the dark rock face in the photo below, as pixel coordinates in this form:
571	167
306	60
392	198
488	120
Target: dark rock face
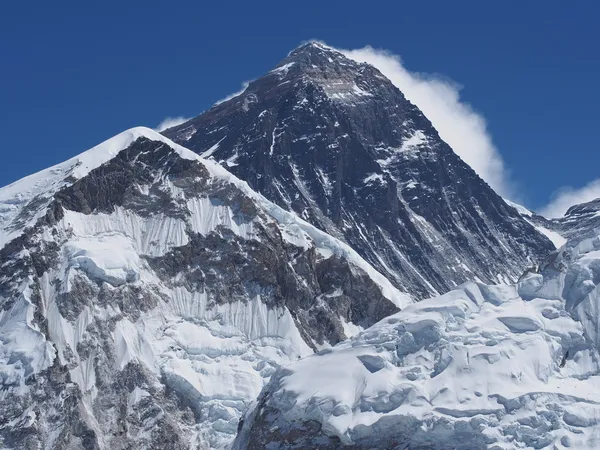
578	222
117	182
579	219
317	291
337	143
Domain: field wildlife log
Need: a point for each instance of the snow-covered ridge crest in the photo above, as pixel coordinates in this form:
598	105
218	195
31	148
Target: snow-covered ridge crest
151	275
47	182
36	190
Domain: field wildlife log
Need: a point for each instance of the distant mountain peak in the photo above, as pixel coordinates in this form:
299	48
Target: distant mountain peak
338	143
318	62
592	206
313	48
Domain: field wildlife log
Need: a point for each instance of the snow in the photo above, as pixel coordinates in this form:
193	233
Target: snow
110	258
374	177
152	236
325	181
273	137
415	140
283	69
557	239
409	148
219	355
208	153
24	350
520	209
36	190
231	161
344	91
350	329
509	357
207	216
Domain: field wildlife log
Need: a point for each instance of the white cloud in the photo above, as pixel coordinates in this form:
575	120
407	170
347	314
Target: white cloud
566	197
169	122
235	94
457	123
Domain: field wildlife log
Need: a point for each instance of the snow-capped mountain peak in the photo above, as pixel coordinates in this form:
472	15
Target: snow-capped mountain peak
151	286
146	295
24	201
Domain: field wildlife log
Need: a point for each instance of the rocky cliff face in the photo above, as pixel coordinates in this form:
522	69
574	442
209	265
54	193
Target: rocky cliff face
578	221
147	295
335	142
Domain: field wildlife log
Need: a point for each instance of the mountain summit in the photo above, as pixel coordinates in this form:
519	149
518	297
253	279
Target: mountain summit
337	143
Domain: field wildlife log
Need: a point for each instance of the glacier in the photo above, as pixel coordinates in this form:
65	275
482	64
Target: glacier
481	367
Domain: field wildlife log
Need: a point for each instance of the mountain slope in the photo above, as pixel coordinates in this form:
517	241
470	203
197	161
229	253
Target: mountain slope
547	227
337	143
481	367
146	296
578	220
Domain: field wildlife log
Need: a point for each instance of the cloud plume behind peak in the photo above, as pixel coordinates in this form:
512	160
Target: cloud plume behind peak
458	124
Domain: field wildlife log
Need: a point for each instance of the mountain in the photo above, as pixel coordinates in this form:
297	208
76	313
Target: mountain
147	295
337	143
481	367
549	228
149	289
579	219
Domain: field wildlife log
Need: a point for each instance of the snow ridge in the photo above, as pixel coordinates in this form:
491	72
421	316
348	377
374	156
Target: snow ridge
125	291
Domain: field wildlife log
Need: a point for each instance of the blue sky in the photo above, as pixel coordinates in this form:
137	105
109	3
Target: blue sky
76	73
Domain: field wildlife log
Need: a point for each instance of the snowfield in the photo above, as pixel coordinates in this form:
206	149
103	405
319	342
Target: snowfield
481	367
